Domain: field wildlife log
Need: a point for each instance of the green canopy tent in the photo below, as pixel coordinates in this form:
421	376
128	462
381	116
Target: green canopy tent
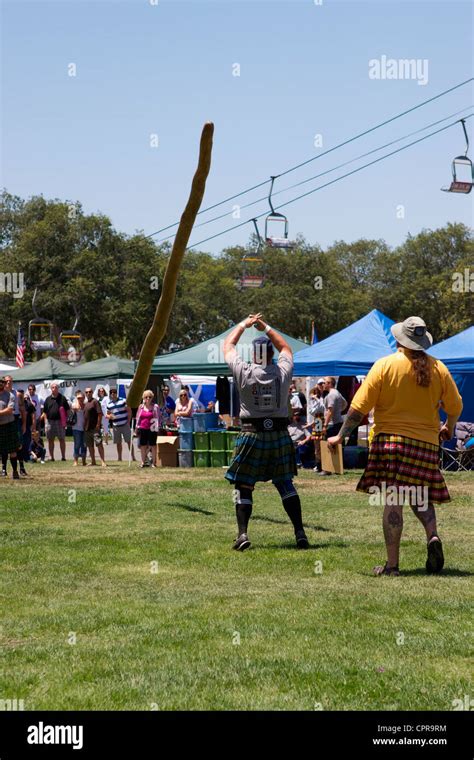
207	358
45	369
101	369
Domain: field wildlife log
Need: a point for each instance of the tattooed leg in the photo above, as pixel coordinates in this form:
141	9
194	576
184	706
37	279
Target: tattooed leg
392	531
427	517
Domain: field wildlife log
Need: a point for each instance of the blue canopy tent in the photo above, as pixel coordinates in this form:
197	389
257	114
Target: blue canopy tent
457	353
351	351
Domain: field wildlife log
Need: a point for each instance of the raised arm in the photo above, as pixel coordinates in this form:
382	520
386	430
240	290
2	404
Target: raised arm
235	335
278	340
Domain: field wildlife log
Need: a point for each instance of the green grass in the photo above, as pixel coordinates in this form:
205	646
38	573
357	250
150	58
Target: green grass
169	639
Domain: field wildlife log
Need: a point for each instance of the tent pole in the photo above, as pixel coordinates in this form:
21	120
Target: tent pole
131	444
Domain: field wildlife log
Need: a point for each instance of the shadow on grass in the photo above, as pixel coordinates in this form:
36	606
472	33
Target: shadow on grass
312	547
190	508
447	572
285	522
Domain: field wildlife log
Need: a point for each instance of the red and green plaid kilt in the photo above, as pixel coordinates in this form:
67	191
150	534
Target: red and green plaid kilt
399	461
267	455
9	437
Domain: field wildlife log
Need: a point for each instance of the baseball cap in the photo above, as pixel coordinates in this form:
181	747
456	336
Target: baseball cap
263	341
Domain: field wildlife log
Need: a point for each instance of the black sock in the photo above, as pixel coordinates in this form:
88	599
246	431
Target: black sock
4	461
292	506
14	463
243	507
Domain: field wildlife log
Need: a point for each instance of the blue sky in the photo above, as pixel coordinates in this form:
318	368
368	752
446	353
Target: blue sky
165	69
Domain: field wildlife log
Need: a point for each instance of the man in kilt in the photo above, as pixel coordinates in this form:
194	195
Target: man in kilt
406	391
263	450
9	435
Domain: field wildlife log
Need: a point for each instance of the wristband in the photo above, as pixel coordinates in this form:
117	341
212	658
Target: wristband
267	329
243	325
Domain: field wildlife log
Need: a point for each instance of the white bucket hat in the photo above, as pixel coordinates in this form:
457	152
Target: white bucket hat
412	333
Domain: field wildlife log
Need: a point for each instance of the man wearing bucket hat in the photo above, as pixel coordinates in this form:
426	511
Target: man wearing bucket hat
264	450
406	390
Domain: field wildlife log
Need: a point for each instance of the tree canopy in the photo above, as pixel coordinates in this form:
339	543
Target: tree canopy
79	261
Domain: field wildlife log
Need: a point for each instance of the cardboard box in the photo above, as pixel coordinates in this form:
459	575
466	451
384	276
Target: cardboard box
167	455
331	461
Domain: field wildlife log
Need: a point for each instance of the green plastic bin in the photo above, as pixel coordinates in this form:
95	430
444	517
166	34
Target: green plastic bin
218	458
201	458
201	441
217	440
232	436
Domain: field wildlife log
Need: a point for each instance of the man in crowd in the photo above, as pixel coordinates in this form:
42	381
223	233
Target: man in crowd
92	424
119	416
9	435
335	404
168	406
55	419
30	422
300	437
34	398
19	415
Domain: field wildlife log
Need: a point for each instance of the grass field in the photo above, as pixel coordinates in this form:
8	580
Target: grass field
136	568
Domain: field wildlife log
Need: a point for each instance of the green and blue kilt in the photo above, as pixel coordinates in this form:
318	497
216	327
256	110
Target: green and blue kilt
400	461
9	438
267	455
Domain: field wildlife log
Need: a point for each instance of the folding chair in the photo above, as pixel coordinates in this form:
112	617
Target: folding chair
458	453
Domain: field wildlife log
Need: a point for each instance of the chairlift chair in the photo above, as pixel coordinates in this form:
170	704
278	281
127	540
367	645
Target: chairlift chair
70	343
253	267
273	218
462	170
40	331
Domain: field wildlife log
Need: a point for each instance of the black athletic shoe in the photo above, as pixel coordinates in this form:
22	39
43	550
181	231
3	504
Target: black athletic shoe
15	476
241	542
435	559
23	472
301	540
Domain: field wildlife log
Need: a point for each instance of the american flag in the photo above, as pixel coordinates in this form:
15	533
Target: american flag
20	348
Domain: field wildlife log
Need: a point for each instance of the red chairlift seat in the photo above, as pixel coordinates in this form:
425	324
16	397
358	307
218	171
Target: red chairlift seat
457	185
462	170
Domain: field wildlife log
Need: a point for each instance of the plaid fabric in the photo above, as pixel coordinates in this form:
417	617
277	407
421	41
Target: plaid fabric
399	461
9	438
269	455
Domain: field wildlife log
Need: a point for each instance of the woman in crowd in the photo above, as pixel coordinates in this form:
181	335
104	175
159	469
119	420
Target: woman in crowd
184	407
405	390
80	449
103	401
316	409
148	423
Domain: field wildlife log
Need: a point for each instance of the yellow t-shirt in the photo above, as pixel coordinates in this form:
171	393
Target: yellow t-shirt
400	405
